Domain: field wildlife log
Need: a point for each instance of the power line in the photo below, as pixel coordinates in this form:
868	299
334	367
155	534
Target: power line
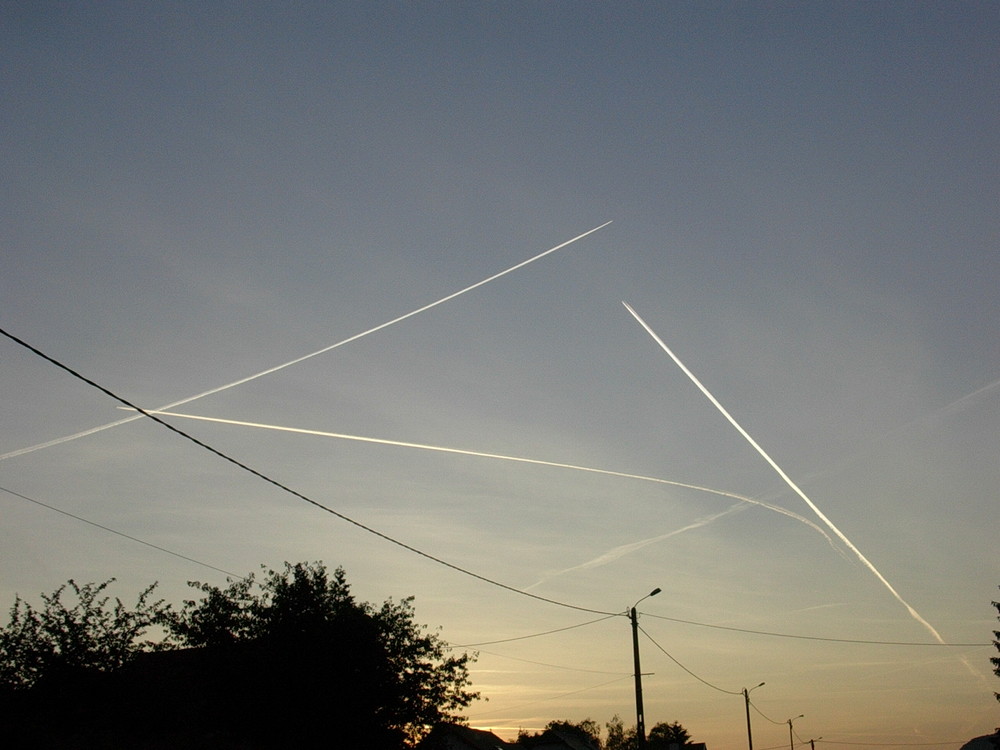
536	635
546	664
700	679
952	743
555	697
814	637
505	640
773	721
235	575
119	533
295	493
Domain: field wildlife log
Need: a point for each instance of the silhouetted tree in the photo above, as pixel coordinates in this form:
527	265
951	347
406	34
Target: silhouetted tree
996	660
663	735
290	661
339	662
587	730
88	635
619	738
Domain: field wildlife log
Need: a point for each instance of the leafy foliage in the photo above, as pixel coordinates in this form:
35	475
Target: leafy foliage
587	730
288	660
619	738
40	645
375	666
996	660
663	735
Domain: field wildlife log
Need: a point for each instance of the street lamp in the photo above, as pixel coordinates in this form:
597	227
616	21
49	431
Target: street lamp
640	721
746	697
791	742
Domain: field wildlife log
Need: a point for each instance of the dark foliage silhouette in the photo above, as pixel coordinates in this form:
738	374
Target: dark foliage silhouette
370	666
290	661
663	735
40	645
996	660
587	731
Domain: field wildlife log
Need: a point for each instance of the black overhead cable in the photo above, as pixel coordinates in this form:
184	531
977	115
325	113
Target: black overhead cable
700	679
546	664
535	635
778	723
952	743
295	493
504	640
814	637
119	533
402	544
555	697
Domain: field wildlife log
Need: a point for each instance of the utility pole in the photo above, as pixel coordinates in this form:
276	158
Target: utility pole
746	697
640	718
791	739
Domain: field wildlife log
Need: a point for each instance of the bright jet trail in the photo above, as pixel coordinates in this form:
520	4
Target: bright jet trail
501	457
355	337
795	488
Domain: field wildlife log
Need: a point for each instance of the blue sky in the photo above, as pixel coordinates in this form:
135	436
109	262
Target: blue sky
803	200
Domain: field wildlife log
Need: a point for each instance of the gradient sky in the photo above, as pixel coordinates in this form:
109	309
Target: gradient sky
804	207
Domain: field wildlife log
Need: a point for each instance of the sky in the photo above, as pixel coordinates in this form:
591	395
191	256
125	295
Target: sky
795	436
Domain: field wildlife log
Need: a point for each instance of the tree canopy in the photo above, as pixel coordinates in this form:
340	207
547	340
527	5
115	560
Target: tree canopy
87	634
661	736
587	731
996	660
377	661
619	738
291	659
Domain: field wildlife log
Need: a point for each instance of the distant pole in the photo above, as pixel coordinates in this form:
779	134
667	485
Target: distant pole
640	719
791	740
746	697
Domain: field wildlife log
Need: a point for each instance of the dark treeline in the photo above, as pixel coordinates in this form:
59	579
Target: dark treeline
292	660
662	736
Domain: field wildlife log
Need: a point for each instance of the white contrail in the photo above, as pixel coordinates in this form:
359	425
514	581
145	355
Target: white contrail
864	450
795	488
355	337
626	549
501	457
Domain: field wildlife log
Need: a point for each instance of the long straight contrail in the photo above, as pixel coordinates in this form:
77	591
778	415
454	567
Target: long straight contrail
262	373
501	457
794	487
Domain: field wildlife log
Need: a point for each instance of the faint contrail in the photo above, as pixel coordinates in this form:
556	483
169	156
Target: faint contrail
795	488
355	337
626	549
864	450
501	457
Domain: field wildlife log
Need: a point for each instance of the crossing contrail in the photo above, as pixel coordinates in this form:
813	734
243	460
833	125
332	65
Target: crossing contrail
794	487
501	457
626	549
262	373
